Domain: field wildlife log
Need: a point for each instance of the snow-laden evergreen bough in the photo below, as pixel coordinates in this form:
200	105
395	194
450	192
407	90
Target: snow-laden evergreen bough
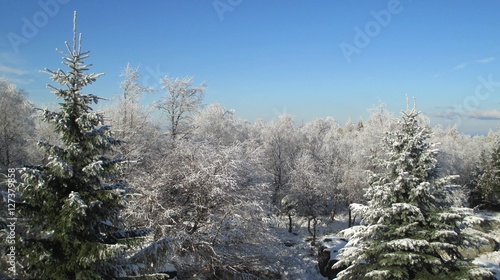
72	204
408	229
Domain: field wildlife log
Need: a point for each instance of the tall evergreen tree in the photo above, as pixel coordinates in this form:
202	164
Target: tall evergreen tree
408	229
71	204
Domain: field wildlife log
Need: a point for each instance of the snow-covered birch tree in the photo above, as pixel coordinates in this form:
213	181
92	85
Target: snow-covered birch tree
217	125
130	119
16	125
408	230
281	149
132	90
179	103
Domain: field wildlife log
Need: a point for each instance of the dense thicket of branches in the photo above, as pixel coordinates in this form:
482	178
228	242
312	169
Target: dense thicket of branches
16	126
485	185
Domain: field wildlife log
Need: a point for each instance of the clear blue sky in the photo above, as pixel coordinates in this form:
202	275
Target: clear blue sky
263	58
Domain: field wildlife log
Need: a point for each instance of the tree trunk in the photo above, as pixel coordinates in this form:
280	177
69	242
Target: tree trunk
350	218
334	210
315	223
309	226
290	223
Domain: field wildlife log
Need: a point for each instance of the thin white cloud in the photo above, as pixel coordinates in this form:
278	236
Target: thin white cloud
9	58
17	81
478	115
484	115
465	64
447	115
486	60
459	66
11	70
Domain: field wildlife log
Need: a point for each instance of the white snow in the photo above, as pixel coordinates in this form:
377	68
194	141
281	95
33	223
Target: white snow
334	245
300	261
491	261
408	244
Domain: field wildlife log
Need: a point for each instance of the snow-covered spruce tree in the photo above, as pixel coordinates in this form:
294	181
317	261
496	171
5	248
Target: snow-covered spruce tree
408	231
71	204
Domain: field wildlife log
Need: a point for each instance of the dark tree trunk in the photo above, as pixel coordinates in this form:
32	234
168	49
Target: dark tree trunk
313	230
334	209
315	223
334	212
352	219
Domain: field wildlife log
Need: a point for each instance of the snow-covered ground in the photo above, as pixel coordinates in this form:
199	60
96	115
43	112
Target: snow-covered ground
490	260
299	260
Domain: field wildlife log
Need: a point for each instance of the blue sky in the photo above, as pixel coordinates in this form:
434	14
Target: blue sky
264	58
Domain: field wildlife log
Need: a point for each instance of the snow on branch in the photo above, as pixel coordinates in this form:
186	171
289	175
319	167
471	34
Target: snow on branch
407	244
94	168
404	258
352	232
34	175
75	201
157	252
449	216
59	166
358	209
51	149
52	117
445	234
98	131
379	274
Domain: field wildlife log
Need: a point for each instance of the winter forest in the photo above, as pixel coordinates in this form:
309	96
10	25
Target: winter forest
181	189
